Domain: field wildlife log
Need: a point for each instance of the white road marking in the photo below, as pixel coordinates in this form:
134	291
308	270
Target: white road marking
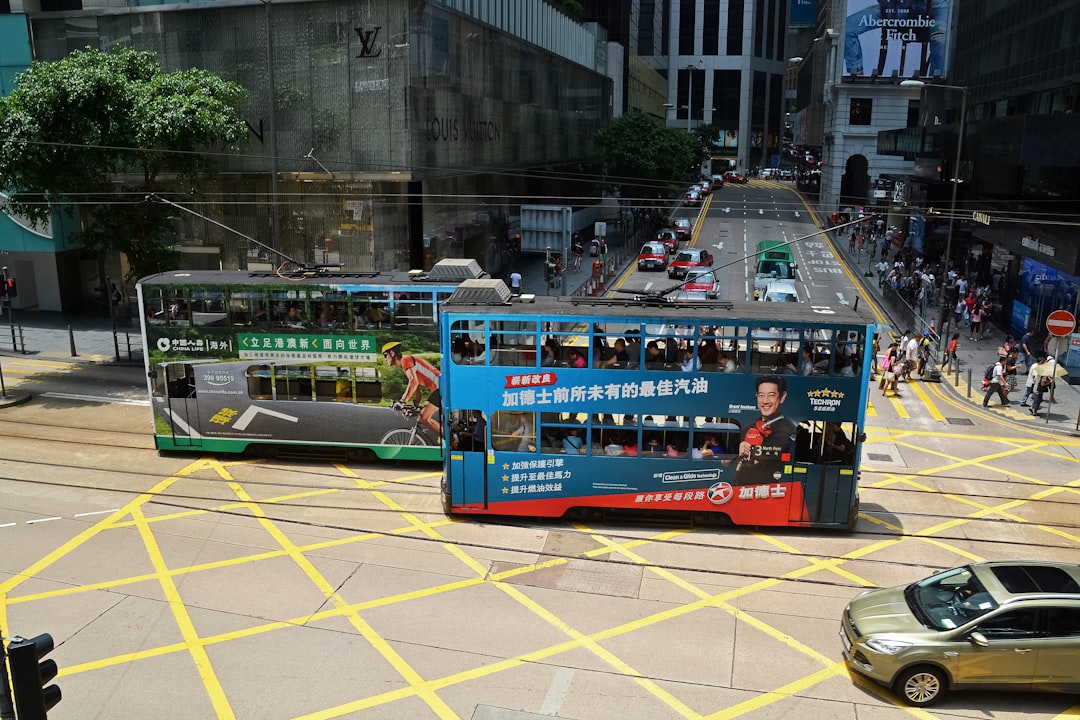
99	512
41	520
556	694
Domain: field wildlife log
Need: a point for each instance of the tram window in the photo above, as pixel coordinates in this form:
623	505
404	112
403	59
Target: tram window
708	349
825	442
259	382
180	380
333	383
716	438
155	306
513	430
288	307
330	313
774	350
470	431
515	343
208	308
292	382
614	435
370	310
248	308
413	310
179	309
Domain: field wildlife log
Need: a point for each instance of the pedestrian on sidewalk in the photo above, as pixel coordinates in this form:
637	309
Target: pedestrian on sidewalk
976	323
998	385
1032	381
1026	344
1044	385
515	283
950	352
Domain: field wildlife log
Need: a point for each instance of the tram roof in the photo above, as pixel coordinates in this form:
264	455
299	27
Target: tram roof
706	311
446	272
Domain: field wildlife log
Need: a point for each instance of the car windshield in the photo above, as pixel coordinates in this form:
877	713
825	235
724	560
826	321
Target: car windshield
685	257
949	599
698	276
652	250
775	269
781	296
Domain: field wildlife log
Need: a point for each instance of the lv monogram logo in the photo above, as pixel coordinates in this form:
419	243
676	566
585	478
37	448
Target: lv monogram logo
368	38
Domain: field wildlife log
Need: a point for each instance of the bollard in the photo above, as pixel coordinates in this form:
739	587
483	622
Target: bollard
71	342
22	341
969	382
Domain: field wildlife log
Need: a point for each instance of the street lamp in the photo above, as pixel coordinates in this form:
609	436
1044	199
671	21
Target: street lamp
690	91
956	165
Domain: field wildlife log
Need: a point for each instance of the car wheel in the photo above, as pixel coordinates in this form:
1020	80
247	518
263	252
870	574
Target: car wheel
921	686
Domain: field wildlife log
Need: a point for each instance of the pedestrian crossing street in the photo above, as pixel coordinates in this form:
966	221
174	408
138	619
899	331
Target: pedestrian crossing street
921	400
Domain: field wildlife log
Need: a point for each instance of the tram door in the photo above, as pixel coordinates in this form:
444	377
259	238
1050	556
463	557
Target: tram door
467	467
181	404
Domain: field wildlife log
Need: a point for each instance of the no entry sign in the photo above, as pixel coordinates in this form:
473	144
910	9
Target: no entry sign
1060	322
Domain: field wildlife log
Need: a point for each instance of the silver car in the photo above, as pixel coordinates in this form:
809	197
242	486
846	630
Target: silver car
988	626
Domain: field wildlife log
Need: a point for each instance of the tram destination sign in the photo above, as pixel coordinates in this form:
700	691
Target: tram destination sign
304	346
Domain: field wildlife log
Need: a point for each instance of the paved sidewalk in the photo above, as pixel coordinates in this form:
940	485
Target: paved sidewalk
1061	416
76	338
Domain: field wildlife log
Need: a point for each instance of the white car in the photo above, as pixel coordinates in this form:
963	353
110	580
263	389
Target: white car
780	291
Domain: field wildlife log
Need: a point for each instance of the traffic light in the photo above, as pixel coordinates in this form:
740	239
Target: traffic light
9	287
29	674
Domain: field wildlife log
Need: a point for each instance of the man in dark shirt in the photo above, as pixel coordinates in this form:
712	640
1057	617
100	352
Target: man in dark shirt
767	443
617	356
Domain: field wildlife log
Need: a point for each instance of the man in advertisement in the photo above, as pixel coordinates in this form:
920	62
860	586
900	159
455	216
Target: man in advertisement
895	22
766	441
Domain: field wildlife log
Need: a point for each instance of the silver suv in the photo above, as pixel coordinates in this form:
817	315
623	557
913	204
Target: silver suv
988	626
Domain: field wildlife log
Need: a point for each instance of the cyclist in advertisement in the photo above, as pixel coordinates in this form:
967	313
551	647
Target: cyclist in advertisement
421	376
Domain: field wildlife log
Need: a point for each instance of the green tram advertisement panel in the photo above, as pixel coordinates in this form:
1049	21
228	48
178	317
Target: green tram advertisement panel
240	361
676	408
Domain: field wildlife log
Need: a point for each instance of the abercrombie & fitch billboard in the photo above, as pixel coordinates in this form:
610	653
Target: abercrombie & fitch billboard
908	37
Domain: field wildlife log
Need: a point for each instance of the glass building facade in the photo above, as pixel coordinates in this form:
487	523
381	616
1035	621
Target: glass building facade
398	132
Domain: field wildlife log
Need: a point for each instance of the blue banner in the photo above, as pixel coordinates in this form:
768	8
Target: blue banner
803	13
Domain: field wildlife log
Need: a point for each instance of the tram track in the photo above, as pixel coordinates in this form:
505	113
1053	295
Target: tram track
206	503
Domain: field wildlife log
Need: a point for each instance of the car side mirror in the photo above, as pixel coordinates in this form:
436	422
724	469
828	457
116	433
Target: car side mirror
977	638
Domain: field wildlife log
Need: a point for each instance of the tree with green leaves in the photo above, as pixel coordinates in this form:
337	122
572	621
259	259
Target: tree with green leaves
96	132
645	160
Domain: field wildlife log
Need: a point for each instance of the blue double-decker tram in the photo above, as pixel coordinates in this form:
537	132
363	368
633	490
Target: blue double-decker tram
747	412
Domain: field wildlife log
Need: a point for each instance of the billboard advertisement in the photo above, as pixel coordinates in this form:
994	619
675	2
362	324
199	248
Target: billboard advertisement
803	13
908	38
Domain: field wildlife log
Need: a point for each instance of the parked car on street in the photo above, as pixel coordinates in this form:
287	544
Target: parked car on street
1010	625
682	227
700	279
689	258
669	237
653	256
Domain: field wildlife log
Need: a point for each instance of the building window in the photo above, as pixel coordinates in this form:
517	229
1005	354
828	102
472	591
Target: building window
860	111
